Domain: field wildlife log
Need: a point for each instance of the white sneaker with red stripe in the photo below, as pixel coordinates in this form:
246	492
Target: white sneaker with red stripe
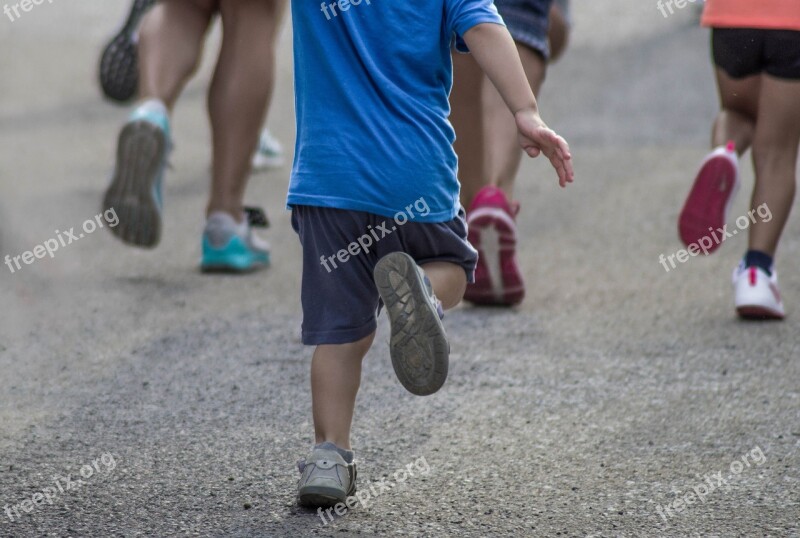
706	208
757	294
493	232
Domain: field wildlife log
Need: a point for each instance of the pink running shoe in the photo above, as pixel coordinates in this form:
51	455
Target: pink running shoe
706	208
493	232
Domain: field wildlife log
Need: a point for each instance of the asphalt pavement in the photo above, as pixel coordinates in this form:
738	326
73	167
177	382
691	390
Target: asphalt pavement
139	397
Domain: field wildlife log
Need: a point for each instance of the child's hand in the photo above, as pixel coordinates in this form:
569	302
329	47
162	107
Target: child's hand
536	138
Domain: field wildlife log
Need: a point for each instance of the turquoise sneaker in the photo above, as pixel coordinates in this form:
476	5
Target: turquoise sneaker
232	247
419	347
135	190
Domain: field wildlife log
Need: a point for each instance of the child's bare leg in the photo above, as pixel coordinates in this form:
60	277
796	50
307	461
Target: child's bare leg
775	151
737	119
239	94
449	282
467	120
335	379
502	137
170	46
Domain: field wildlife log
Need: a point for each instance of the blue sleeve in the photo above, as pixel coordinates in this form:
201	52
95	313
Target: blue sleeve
463	15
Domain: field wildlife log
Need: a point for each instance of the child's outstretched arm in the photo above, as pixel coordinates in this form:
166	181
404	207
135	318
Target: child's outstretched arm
493	48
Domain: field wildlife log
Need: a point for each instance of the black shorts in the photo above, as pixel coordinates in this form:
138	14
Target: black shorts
743	52
340	250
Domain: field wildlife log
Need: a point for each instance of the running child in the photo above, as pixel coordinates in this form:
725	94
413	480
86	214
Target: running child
375	197
756	50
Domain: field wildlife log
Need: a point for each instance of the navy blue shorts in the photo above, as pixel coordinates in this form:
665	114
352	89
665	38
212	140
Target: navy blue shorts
529	22
340	250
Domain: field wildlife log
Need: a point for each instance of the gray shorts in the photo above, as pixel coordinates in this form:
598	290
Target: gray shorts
529	22
340	249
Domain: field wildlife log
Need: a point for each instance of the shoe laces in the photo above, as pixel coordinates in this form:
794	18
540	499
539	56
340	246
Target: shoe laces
434	300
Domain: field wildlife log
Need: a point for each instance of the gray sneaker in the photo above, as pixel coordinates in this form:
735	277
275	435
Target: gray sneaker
136	187
327	479
419	348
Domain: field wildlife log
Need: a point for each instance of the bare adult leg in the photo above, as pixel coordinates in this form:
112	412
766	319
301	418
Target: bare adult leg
503	153
239	95
736	120
467	119
170	47
558	33
171	41
269	150
775	151
487	144
491	159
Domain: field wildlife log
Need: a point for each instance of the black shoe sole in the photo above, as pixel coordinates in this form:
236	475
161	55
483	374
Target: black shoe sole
141	150
419	348
119	69
315	497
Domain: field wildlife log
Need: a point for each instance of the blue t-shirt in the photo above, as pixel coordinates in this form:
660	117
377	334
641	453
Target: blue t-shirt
372	80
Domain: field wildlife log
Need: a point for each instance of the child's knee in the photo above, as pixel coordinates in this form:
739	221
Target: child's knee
449	282
357	349
363	345
461	280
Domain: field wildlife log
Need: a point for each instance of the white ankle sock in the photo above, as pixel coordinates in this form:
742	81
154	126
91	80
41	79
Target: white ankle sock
156	106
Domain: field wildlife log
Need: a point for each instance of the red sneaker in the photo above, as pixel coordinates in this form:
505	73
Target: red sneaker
711	197
493	232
